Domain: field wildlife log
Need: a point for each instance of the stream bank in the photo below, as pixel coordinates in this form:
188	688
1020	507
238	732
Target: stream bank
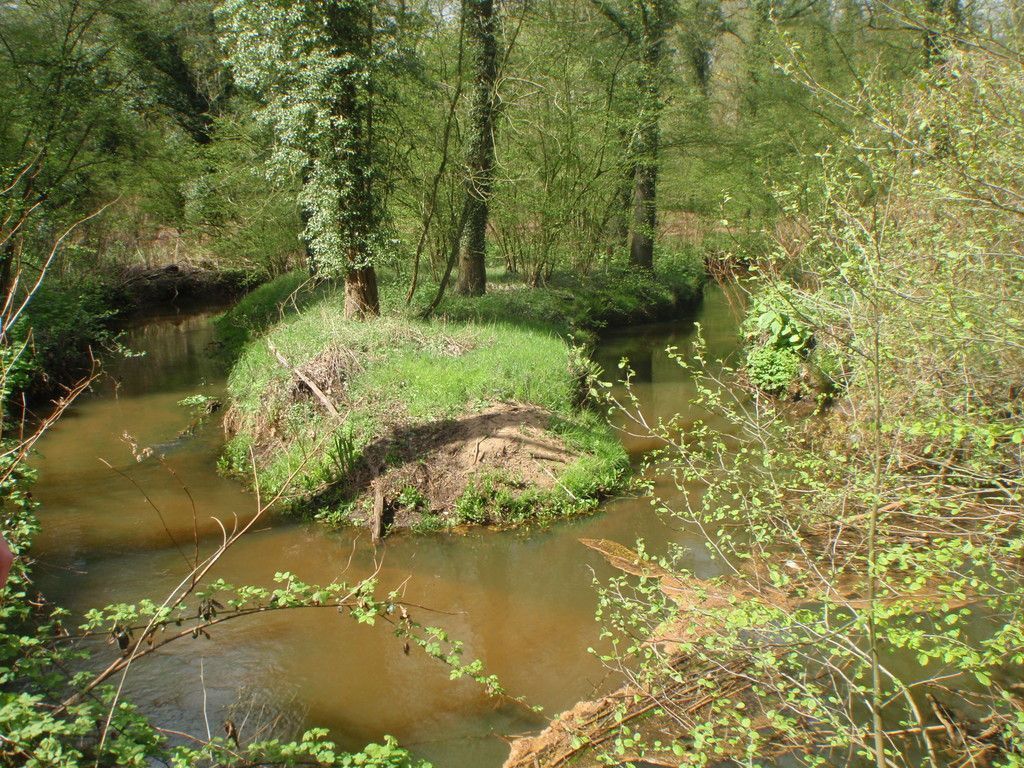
524	605
74	320
478	417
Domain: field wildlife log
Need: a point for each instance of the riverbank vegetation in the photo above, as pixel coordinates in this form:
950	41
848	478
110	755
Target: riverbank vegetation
867	609
445	206
390	408
477	416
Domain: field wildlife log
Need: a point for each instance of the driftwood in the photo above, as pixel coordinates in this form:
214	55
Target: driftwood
317	392
675	703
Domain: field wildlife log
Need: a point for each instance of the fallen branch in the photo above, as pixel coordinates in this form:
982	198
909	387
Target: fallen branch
317	392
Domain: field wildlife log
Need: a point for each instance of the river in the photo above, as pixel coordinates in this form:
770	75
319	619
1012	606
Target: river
523	602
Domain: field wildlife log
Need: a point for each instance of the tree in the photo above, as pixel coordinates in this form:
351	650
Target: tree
64	127
313	65
644	25
166	76
482	25
875	586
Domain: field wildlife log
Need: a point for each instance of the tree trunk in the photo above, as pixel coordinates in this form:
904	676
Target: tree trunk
480	162
645	219
623	215
361	299
942	18
647	151
472	263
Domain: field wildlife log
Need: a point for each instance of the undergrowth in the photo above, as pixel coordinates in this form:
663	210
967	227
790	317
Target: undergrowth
570	304
53	338
511	345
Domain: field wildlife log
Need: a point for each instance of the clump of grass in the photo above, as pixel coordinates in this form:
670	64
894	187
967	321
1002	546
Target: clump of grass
403	371
499	501
264	306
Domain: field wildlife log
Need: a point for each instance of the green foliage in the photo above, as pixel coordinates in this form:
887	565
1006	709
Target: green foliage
497	500
315	68
899	252
611	296
862	560
197	402
64	321
411	497
429	523
400	373
774	324
343	452
336	516
65	119
779	340
681	270
243	218
773	369
262	307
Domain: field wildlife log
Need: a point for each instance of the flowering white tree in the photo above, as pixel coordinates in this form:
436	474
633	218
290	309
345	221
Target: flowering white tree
312	66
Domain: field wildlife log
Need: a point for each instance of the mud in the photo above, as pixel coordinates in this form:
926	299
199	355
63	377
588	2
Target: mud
437	462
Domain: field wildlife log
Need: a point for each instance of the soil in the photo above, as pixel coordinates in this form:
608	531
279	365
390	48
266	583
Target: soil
180	284
436	462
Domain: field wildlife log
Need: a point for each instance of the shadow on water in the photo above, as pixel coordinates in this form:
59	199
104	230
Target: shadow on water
523	603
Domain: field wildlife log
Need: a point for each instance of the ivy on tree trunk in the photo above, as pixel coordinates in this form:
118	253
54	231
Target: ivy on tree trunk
482	23
313	65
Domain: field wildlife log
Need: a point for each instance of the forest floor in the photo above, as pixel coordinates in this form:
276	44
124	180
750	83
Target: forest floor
477	416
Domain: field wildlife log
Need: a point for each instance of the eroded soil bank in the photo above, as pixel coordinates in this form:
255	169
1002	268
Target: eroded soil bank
425	470
182	285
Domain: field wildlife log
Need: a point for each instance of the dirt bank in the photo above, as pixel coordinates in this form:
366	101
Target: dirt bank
145	287
429	472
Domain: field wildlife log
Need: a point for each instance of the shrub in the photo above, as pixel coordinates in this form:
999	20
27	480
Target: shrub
63	322
773	369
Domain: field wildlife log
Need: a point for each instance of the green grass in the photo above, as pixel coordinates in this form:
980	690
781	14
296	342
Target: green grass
615	295
511	345
408	371
262	307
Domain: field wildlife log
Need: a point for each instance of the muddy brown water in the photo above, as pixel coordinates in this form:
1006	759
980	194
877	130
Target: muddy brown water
524	603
